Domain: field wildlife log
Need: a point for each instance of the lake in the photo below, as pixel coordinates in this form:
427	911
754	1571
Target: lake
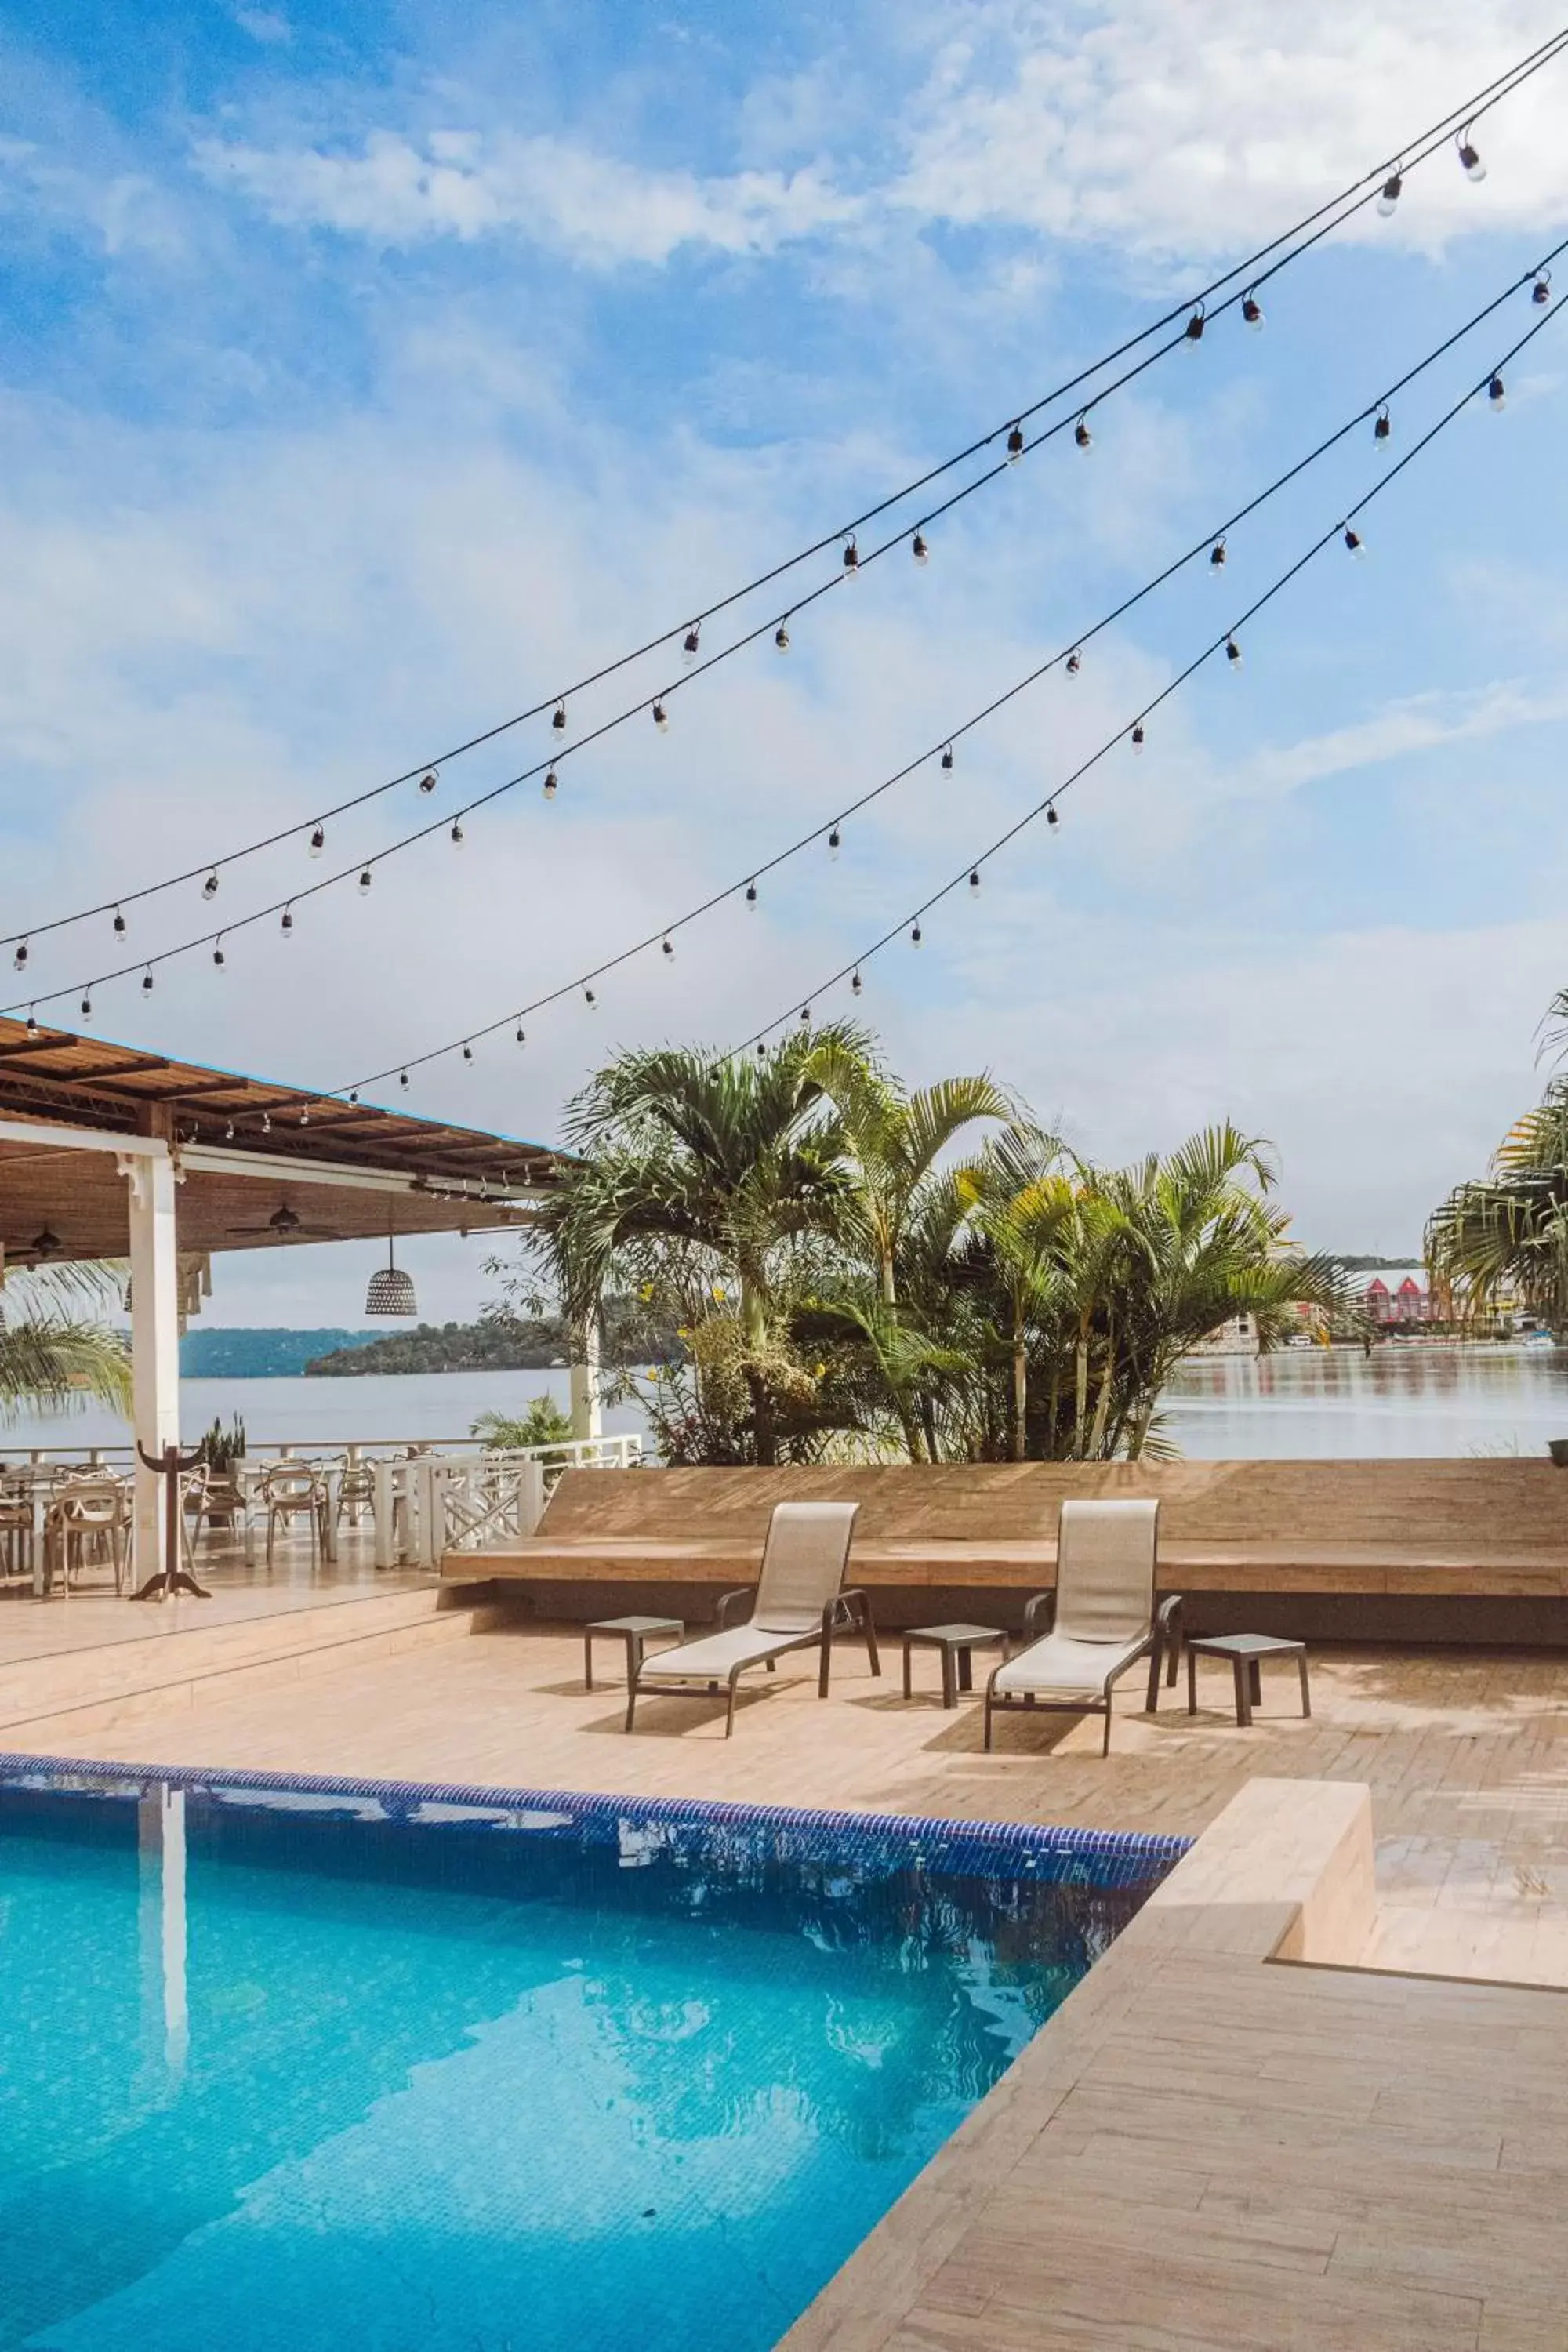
1302	1403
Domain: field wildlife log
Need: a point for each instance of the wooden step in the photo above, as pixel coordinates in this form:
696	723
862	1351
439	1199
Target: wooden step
98	1687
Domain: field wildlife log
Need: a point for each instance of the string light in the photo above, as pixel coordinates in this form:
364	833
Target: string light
403	1080
305	1114
781	638
851	556
428	780
1051	816
947	757
147	981
457	834
590	1000
1216	555
286	924
1540	293
1495	394
761	1049
1289	246
975	881
661	718
855	983
1074	661
1470	161
1388	195
228	1128
120	924
668	948
87	1006
1355	543
468	1052
32	1023
318	840
805	1016
751	897
219	959
1195	329
916	936
19	960
266	1122
835	842
1014	445
1252	312
558	721
1382	425
1081	433
1138	736
365	881
551	785
1233	653
919	549
690	645
209	887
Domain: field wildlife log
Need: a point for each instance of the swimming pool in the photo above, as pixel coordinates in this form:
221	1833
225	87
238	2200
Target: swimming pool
290	2062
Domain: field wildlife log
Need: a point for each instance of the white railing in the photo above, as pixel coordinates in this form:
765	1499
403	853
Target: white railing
482	1506
318	1448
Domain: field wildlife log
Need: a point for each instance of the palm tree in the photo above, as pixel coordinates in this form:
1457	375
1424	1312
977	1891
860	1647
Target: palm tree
49	1355
1021	1210
1509	1229
704	1174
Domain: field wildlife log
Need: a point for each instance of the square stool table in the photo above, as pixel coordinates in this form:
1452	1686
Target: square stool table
1245	1652
633	1632
957	1643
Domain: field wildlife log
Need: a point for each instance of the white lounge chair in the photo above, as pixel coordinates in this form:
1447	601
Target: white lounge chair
1102	1617
799	1603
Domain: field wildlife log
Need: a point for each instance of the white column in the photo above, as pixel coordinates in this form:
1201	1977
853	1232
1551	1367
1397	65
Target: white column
155	1343
161	1838
587	1420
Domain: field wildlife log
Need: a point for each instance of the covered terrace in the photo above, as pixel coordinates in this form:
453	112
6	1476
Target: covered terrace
107	1151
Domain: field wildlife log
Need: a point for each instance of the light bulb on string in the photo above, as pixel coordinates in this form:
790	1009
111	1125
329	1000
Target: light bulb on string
209	887
558	719
919	548
1383	427
147	981
266	1120
1194	331
429	779
32	1023
120	926
468	1053
317	841
228	1128
1470	161
286	923
780	639
1233	653
661	718
1388	195
19	961
1252	312
1014	445
835	842
590	1000
1051	817
916	936
851	556
855	983
1540	293
975	881
691	643
1216	556
761	1049
1355	543
365	881
87	1007
457	834
522	1035
550	784
1074	661
1495	394
668	949
305	1115
1138	736
751	897
805	1016
403	1080
947	757
219	959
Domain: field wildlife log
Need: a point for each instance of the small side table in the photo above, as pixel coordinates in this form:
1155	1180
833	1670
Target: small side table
633	1632
957	1644
1246	1652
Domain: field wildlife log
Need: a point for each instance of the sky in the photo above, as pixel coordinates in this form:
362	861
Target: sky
369	373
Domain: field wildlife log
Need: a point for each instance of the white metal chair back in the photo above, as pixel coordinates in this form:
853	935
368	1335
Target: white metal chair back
1106	1554
804	1561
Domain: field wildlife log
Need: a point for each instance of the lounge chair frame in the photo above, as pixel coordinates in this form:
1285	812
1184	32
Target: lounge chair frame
848	1612
1160	1644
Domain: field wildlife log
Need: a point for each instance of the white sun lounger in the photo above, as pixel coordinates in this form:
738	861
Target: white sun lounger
798	1603
1102	1617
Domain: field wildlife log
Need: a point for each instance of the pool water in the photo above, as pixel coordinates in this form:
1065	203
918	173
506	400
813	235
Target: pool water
289	2065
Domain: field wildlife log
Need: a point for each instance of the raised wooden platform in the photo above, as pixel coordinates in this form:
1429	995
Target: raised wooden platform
1387	1533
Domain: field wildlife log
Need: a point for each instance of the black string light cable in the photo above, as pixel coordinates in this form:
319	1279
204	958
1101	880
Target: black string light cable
829	828
909	925
1537	277
1193	313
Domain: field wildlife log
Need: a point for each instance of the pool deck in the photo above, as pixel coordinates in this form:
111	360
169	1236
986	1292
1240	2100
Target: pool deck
1203	2149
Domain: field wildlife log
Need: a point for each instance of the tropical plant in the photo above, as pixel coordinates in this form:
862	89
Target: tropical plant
50	1354
544	1424
221	1447
1507	1231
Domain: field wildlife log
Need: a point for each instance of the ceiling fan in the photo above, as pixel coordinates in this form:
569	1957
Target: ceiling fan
283	1225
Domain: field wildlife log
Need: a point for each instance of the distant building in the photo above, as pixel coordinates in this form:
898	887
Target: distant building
1397	1294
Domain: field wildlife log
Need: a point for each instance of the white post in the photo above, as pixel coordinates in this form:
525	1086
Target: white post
161	1837
155	1343
587	1422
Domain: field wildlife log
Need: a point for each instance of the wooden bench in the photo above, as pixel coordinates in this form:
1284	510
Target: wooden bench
1491	1529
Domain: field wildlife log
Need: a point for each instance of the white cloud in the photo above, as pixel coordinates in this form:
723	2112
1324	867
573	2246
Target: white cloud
1181	126
1418	723
118	211
598	208
264	24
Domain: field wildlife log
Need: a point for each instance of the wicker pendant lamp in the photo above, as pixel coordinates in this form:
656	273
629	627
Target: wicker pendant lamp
391	1290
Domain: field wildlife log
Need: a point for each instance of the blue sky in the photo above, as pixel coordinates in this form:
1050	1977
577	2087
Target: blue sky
369	372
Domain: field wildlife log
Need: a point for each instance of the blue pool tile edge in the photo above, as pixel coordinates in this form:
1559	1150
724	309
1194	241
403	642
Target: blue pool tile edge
999	1842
